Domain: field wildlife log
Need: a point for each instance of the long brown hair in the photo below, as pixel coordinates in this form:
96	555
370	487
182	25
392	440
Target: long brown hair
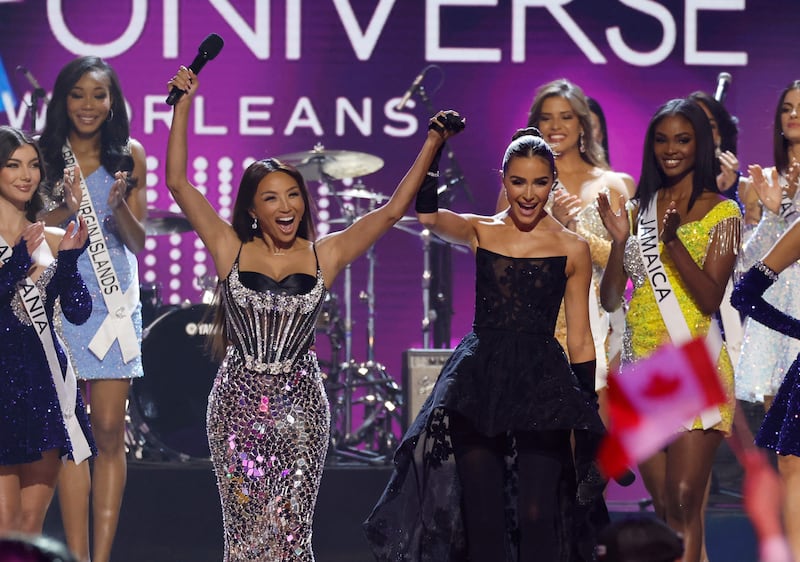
242	225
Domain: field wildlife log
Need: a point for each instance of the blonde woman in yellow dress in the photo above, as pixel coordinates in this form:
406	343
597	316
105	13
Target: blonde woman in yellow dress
688	234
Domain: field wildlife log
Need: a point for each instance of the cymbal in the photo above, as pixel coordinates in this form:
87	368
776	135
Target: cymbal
320	164
362	194
165	222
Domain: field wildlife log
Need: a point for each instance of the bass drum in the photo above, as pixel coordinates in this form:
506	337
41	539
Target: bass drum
172	397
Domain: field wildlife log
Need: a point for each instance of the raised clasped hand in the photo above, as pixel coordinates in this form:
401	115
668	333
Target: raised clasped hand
446	124
75	235
185	80
616	223
671	222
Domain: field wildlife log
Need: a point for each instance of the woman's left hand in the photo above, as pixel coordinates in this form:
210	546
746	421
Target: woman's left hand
729	166
672	220
116	195
75	236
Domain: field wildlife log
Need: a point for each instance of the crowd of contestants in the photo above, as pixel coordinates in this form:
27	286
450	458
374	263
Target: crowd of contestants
498	465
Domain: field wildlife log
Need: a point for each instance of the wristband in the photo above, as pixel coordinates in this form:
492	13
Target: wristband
428	195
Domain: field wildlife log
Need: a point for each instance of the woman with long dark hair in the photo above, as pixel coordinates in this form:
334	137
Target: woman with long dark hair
87	126
679	255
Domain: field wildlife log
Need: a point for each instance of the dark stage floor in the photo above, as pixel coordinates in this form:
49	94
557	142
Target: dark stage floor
171	512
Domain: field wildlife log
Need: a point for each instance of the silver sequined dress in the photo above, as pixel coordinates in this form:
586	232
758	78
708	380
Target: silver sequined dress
766	354
268	420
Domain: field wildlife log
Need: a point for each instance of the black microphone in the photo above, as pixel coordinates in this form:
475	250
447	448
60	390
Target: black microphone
411	90
208	49
37	89
723	81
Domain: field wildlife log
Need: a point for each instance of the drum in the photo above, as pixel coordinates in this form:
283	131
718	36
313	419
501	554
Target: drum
170	401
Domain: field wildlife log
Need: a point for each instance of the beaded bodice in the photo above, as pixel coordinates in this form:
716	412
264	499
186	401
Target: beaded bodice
518	294
270	330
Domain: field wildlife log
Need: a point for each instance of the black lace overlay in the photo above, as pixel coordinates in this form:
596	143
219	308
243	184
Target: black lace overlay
508	374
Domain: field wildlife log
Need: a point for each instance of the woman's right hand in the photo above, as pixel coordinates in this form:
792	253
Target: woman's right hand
72	189
186	80
33	234
617	224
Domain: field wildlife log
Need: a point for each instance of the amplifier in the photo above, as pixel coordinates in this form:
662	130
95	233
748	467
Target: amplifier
420	370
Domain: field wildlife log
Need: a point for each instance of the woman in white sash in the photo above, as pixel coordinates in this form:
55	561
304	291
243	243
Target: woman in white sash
35	411
688	234
87	124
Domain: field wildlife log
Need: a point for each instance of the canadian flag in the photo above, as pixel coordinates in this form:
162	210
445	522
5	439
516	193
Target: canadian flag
650	402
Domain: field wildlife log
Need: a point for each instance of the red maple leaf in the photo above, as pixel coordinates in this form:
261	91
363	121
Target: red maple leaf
661	385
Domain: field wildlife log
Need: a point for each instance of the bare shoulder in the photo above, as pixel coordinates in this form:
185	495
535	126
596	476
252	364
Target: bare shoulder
137	149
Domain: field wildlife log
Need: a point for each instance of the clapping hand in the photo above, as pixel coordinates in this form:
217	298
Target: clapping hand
119	189
729	165
617	224
770	192
72	189
566	206
33	235
671	222
75	236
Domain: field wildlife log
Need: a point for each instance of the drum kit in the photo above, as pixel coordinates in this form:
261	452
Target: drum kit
167	407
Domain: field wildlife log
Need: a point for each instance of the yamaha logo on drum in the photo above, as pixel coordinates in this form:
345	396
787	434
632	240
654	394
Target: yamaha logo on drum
198	328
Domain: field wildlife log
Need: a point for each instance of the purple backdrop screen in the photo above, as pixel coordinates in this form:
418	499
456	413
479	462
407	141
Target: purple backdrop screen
293	74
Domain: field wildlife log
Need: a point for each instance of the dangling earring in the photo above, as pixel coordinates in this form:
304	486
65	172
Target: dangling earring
255	223
581	145
717	151
110	115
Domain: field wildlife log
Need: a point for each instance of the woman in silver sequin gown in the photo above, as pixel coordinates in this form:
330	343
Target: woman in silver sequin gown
766	354
268	418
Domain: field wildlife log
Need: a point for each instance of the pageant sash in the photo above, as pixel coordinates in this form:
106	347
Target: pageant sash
118	324
67	384
671	313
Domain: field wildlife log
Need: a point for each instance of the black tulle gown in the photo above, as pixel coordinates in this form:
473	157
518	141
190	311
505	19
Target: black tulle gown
508	374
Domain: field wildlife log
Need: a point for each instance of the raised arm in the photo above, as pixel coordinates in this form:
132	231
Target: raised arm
612	284
216	234
341	248
68	285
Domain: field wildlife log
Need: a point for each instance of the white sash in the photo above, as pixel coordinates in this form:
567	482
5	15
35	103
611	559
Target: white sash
66	385
117	325
671	313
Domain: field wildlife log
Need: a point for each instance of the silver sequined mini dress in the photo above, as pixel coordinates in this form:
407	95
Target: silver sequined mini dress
269	420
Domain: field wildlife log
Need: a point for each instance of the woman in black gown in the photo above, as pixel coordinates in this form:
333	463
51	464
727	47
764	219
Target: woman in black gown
486	471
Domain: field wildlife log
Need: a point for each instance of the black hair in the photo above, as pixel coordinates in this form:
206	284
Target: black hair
653	178
780	145
12	139
114	132
526	143
595	108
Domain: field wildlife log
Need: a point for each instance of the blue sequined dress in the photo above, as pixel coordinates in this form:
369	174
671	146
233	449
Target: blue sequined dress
268	416
87	365
780	430
31	421
508	374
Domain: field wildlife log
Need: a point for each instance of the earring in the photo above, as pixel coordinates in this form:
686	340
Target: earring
254	226
581	145
110	115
